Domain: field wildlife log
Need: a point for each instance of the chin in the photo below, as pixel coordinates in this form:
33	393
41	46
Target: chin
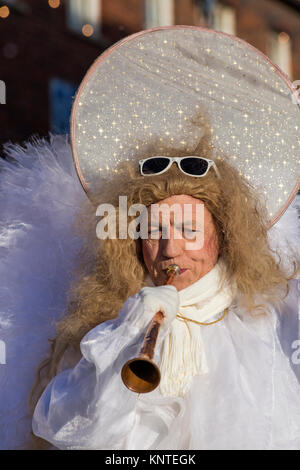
181	284
183	281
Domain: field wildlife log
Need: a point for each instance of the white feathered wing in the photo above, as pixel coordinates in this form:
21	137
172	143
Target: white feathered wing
39	193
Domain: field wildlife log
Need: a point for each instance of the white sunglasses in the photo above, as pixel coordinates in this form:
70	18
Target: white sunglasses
190	165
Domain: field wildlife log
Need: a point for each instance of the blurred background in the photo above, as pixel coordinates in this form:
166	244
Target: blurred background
46	47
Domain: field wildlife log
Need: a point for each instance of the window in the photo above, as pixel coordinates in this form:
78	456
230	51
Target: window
2	92
159	13
280	51
61	99
225	19
83	16
19	5
2	352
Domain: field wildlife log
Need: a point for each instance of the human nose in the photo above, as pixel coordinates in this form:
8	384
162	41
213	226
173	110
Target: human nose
171	245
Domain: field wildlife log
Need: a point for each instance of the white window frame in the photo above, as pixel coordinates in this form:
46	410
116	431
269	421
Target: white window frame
225	19
2	92
81	12
159	13
281	53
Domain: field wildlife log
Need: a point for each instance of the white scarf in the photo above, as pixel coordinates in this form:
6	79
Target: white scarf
183	356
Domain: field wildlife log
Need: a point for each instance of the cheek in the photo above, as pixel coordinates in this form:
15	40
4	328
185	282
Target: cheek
209	251
149	251
211	248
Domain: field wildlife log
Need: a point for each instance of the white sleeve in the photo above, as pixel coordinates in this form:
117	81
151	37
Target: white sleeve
89	407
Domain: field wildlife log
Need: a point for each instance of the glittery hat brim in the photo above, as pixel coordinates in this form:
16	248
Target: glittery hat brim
148	87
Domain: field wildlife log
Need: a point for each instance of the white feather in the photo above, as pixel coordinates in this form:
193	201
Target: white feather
40	193
284	236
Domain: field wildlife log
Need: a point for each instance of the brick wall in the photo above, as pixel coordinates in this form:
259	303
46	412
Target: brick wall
257	17
121	18
37	46
45	49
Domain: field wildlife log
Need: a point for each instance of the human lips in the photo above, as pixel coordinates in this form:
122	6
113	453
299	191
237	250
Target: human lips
182	270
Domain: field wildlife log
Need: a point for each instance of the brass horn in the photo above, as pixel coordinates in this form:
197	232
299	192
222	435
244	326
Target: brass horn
141	374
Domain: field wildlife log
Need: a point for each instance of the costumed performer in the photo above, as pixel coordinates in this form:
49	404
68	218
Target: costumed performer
222	364
228	378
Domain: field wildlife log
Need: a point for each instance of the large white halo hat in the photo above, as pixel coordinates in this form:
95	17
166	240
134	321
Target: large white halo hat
149	86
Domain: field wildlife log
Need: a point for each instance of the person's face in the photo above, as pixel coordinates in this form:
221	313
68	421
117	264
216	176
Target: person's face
160	252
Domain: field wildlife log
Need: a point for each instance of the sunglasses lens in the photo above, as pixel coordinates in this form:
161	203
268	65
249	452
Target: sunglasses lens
194	166
154	165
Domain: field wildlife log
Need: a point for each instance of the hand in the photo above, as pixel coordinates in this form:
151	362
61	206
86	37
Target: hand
162	298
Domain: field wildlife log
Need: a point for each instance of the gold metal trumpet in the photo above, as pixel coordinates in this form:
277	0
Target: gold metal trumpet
141	374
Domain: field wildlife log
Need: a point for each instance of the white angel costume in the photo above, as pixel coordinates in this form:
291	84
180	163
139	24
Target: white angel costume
230	385
244	394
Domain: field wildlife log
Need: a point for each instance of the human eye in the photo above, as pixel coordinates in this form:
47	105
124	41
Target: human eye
190	229
154	232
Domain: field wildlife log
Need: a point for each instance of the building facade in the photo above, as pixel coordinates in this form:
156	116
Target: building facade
46	47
